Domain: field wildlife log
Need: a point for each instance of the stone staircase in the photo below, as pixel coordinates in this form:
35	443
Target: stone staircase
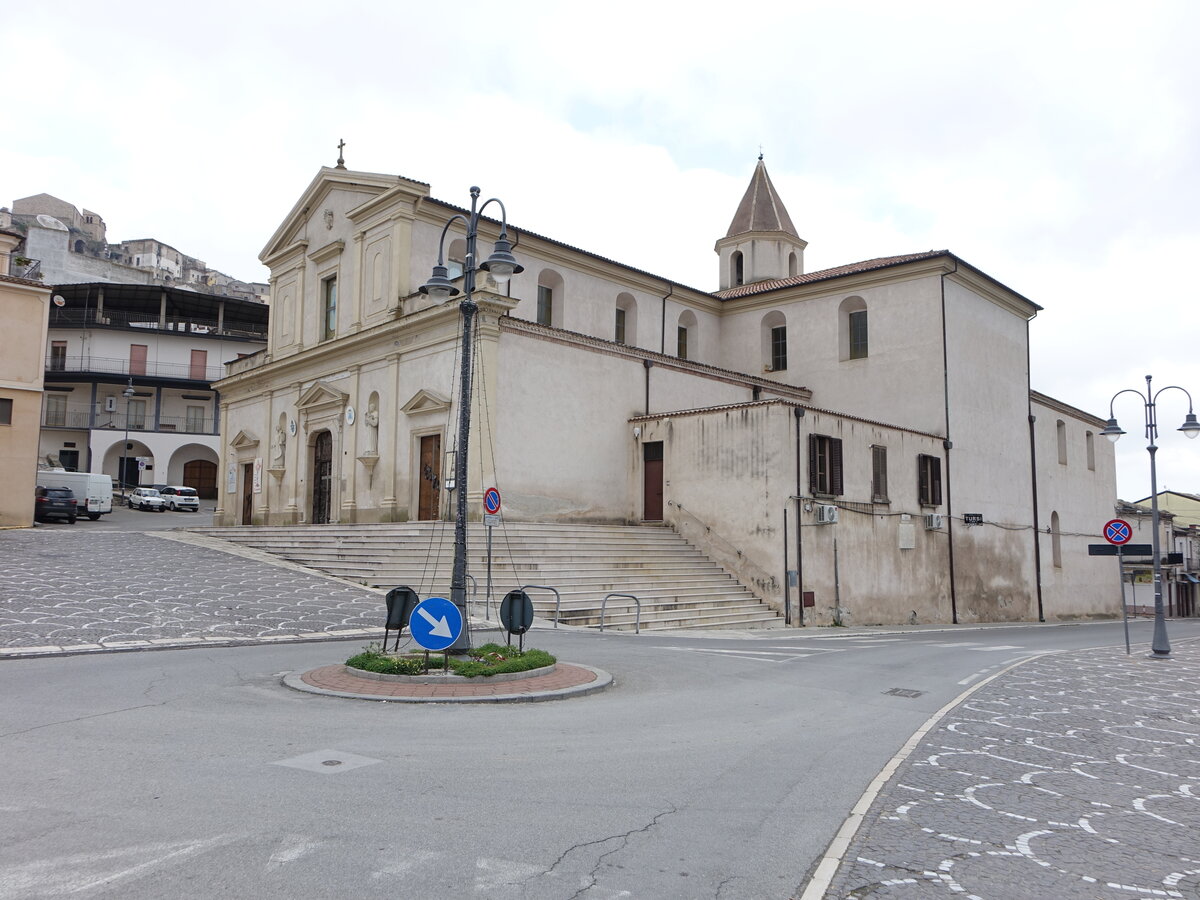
678	586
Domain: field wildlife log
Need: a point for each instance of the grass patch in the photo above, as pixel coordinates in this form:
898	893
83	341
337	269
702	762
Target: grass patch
490	659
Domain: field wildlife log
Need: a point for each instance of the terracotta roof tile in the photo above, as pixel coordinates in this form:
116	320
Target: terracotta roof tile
868	265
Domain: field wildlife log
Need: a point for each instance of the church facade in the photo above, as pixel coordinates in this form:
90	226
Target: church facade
863	439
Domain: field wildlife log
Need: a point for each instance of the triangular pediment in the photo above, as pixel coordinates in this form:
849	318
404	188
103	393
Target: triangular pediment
310	204
425	401
321	394
243	440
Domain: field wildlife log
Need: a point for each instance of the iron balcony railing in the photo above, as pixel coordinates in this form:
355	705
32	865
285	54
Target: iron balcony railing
82	419
24	267
112	366
88	318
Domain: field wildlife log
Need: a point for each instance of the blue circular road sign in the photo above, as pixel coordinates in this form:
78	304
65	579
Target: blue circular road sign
491	501
435	623
1117	531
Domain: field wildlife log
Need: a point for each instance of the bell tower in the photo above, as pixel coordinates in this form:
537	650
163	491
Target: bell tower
762	243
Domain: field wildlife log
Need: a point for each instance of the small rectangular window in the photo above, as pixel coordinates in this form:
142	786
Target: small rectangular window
929	480
329	304
620	329
58	356
681	342
879	487
137	413
1091	450
545	306
824	465
779	348
56	410
6	405
1061	427
858	334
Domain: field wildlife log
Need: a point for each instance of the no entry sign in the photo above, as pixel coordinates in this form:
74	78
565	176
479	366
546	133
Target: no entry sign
1117	531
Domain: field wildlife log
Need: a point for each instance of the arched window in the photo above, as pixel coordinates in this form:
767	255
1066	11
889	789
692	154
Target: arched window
737	273
1062	442
625	326
685	335
774	342
456	254
793	265
549	299
852	328
1055	540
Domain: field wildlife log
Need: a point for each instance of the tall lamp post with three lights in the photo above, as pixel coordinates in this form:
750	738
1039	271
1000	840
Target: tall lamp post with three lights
501	265
127	394
1160	647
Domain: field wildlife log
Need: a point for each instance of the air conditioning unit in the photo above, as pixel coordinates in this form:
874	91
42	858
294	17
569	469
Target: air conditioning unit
110	404
826	515
934	521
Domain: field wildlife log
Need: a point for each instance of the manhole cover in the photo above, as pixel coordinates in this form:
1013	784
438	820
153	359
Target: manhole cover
331	762
327	762
904	692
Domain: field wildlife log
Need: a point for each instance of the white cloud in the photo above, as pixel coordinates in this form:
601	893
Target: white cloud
1051	144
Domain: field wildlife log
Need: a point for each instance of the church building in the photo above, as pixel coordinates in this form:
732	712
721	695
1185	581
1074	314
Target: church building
863	437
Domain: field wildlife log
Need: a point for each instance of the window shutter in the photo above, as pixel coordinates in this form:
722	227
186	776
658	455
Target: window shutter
922	481
935	465
835	466
812	464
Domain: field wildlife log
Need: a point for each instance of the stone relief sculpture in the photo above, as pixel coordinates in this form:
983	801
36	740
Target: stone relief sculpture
279	447
372	421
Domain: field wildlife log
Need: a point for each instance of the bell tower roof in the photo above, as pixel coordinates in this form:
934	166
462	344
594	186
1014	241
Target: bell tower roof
761	209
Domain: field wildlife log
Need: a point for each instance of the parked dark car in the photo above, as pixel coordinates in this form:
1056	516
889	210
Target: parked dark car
54	503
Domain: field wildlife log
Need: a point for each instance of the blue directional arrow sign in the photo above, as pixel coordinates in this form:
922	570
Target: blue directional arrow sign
435	623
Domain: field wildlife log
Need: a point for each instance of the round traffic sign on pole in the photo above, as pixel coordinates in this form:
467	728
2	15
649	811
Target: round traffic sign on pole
491	501
1117	531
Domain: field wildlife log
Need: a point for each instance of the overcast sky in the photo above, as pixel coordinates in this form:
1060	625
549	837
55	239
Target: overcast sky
1052	144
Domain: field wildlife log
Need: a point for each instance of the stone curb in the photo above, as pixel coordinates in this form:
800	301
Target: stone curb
602	681
499	678
54	650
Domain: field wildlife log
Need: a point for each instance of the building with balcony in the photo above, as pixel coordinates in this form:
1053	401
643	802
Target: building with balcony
23	311
168	345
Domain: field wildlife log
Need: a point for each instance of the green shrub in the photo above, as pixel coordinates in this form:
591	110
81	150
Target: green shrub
490	659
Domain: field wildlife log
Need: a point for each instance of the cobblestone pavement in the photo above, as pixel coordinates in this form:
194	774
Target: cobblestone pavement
76	591
1075	775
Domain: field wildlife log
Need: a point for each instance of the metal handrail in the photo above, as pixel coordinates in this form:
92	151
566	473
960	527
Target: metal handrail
637	619
557	597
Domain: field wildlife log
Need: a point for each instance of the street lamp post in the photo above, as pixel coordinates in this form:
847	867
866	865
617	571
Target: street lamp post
127	393
501	265
1160	647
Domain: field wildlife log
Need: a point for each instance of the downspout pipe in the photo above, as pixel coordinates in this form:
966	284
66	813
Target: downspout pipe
947	445
647	364
1033	479
798	413
662	329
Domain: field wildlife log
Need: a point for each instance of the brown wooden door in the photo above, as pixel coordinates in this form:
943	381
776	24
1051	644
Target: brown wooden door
137	359
248	494
198	370
430	479
322	477
652	481
202	475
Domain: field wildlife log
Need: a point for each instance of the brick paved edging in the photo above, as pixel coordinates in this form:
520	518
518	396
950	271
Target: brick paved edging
568	680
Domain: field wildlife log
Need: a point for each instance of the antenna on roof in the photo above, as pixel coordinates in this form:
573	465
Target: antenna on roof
341	163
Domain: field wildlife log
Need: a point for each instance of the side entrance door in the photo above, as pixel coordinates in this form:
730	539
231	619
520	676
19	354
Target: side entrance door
430	478
322	477
652	481
248	494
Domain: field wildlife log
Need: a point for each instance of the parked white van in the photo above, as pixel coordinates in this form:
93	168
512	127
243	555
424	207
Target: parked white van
93	493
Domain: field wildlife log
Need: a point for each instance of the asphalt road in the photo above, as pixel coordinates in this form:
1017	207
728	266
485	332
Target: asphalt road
124	519
715	767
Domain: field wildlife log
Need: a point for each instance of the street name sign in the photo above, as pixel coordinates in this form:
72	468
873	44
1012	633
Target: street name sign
435	623
1126	550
